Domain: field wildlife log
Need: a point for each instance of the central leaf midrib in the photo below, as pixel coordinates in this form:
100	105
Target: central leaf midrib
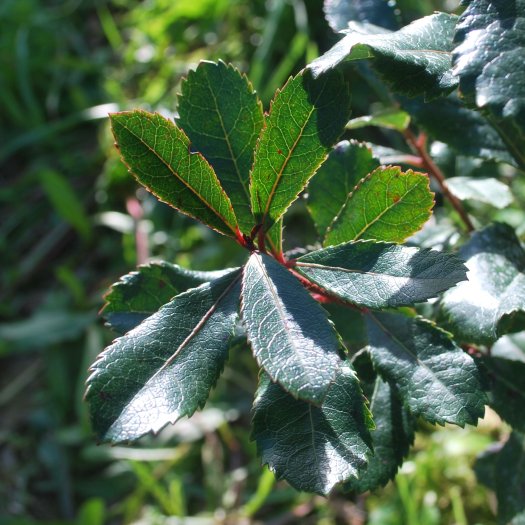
179	178
277	302
194	332
227	139
414	356
368	225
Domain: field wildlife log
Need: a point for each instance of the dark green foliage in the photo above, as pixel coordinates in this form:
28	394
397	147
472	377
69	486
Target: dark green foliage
313	447
495	291
415	59
317	422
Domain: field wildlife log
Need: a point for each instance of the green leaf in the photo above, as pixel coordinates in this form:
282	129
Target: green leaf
158	154
387	205
477	310
391	438
510	347
466	131
507	393
489	62
503	471
328	191
290	334
222	116
390	118
434	377
381	275
487	190
349	324
313	448
164	369
415	60
339	13
306	118
140	294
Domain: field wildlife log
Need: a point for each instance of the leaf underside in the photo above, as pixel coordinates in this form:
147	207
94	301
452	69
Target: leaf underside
306	118
381	275
415	59
434	377
289	332
222	116
312	447
164	369
387	205
141	293
495	290
158	154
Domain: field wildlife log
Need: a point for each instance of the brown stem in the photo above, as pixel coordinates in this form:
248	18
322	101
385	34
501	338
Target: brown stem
418	144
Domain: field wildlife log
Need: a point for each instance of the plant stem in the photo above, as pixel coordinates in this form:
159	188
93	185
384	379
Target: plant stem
419	147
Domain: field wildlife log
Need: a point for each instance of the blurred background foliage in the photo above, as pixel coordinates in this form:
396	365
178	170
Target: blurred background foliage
72	221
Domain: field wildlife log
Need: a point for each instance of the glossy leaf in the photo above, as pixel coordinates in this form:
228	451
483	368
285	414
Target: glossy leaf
391	438
381	275
415	59
158	154
465	130
489	62
313	448
478	309
222	116
141	293
507	393
378	12
503	470
387	205
434	377
290	334
306	118
390	118
487	190
510	346
164	369
328	191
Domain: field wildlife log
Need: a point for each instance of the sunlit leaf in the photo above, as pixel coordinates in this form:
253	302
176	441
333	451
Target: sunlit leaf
312	447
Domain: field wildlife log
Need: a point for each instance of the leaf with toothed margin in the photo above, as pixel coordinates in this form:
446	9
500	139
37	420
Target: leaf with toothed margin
328	191
393	433
313	448
164	368
158	154
415	60
478	311
289	332
379	274
306	118
489	61
141	293
434	377
387	205
222	116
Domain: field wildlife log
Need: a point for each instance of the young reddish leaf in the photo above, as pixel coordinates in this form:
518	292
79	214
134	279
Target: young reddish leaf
158	154
222	116
387	205
290	334
306	118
